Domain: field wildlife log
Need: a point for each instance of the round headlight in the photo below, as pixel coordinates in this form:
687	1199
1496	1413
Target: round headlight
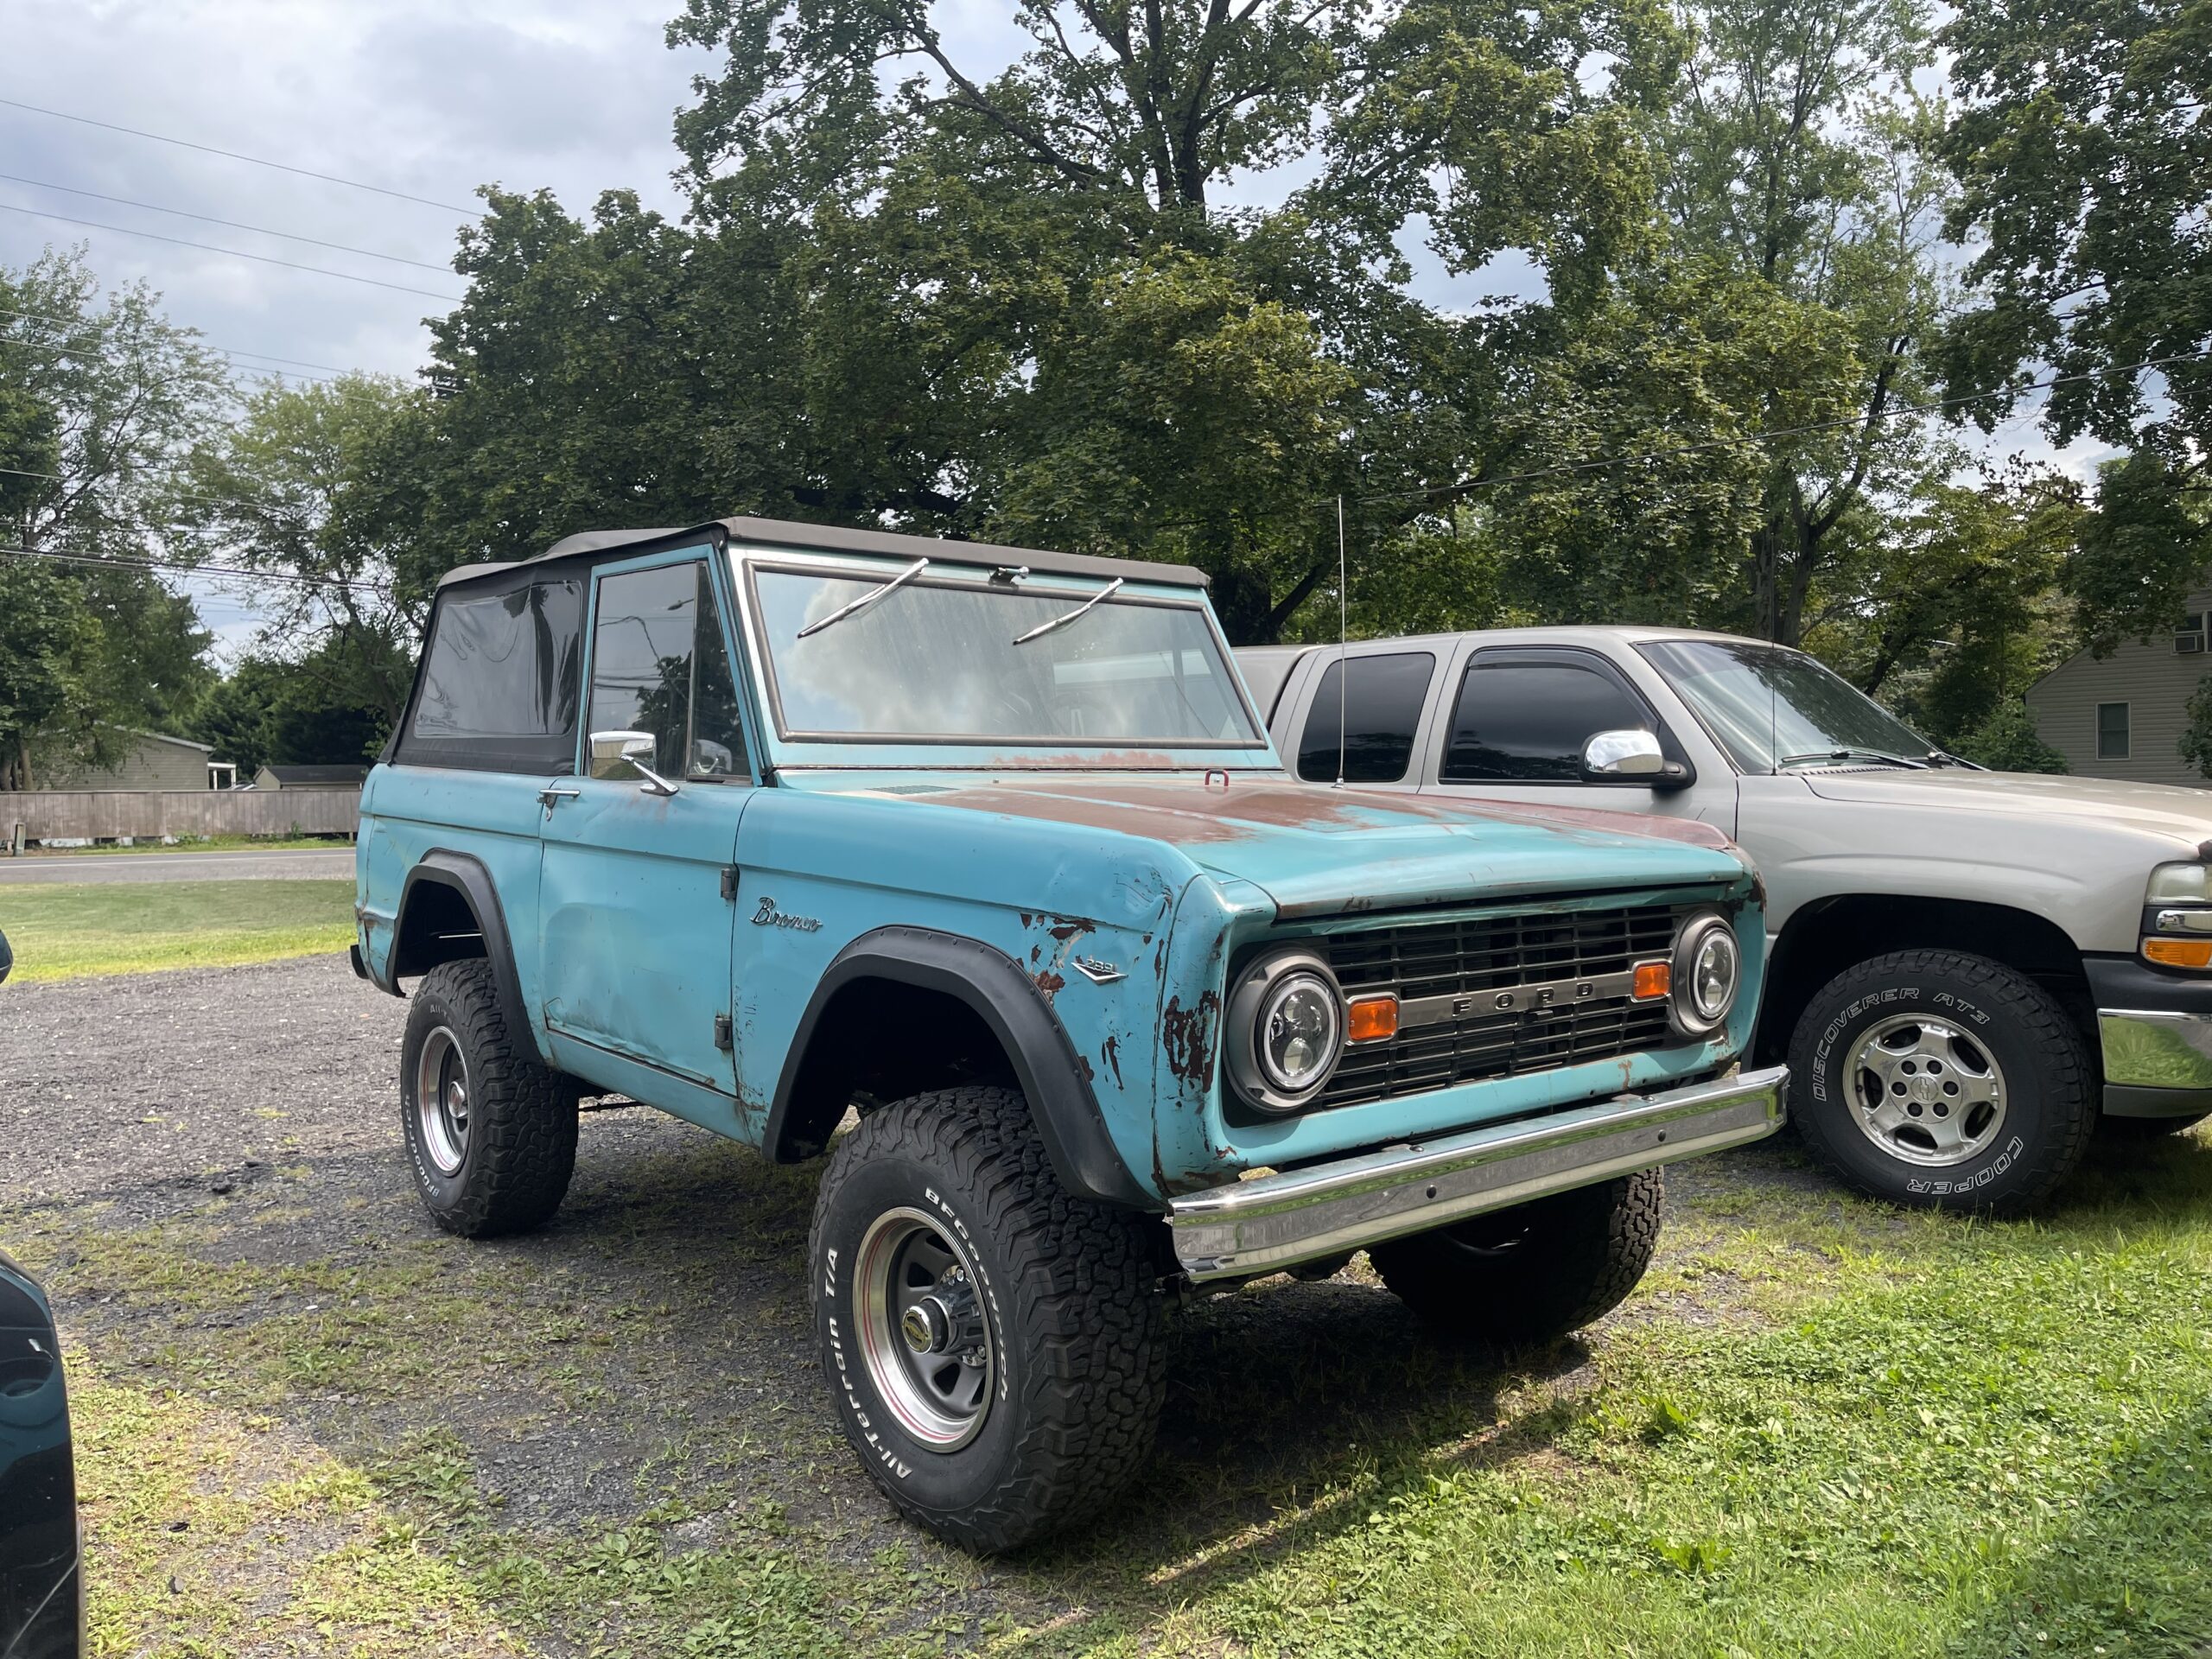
1284	1029
1708	972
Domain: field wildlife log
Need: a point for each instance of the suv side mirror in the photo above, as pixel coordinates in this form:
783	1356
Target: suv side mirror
1623	754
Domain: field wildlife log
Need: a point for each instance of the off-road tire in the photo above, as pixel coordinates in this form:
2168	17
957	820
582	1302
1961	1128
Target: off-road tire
2147	1128
1522	1277
1071	1292
521	1147
2050	1103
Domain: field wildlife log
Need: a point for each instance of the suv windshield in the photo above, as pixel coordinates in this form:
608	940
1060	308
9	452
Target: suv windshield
1771	708
948	658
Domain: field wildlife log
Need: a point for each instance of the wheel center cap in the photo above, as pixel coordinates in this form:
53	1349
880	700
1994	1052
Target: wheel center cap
1925	1090
925	1327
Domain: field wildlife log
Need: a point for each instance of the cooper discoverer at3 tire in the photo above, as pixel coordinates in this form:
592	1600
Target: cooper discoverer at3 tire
991	1344
1942	1080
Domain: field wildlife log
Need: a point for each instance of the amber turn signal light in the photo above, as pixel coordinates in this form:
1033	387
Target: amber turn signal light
1653	979
1372	1018
2178	953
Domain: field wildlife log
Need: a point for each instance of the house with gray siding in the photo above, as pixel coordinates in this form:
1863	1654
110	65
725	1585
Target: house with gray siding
2122	717
147	761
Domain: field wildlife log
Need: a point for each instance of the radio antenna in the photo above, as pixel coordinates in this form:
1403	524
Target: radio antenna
1343	647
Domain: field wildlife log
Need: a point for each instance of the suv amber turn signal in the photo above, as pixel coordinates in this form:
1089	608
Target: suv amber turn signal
2178	953
1653	979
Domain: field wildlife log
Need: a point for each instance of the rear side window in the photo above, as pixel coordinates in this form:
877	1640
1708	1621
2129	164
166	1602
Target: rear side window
1526	723
660	674
1381	707
500	683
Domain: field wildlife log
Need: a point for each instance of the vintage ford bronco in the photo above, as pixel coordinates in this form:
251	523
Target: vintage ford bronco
762	822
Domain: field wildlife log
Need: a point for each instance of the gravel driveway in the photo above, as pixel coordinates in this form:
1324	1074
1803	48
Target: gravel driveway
205	1166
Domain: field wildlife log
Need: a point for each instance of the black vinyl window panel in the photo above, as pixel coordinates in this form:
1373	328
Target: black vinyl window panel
501	682
1381	706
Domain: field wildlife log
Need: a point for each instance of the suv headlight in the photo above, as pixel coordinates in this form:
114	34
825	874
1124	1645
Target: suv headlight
1708	971
1285	1029
2177	917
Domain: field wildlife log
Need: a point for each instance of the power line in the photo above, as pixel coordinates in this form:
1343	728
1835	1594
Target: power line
80	327
239	156
233	253
1769	434
229	224
162	568
189	495
235	367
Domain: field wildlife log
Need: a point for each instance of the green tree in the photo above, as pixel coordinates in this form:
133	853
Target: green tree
2006	739
322	485
97	401
2084	160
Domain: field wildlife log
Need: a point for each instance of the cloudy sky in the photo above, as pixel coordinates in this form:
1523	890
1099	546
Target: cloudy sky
422	98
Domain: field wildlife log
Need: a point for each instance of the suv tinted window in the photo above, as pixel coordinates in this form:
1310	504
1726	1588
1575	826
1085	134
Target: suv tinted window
1524	721
499	681
659	668
1381	704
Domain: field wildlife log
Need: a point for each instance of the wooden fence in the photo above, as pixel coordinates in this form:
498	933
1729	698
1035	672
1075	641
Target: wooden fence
102	815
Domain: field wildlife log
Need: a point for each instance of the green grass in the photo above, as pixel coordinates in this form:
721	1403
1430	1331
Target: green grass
1820	1428
65	931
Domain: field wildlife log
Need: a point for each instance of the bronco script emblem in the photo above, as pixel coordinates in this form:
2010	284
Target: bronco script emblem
769	916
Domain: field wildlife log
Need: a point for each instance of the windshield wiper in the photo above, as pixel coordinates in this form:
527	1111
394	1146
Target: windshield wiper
865	599
1066	617
1849	753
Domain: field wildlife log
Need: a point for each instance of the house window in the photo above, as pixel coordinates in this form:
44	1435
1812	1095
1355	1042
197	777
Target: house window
2188	638
2112	731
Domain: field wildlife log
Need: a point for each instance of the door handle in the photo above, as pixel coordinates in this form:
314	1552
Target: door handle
553	794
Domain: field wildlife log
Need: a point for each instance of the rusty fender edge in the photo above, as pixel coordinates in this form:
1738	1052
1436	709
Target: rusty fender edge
1278	1221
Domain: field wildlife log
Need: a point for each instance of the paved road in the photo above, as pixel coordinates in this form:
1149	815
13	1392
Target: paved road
306	864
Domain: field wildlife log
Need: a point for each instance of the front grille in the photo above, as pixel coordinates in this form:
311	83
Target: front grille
1493	953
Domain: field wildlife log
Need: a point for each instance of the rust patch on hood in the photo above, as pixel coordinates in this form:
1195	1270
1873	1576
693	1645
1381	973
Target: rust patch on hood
1183	812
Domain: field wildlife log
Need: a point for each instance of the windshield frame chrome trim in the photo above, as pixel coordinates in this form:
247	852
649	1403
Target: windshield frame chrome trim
872	566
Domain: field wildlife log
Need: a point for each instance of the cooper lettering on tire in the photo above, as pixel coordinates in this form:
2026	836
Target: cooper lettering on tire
993	1343
1941	1078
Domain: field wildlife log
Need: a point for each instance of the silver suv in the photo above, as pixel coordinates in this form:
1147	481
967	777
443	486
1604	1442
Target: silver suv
1967	968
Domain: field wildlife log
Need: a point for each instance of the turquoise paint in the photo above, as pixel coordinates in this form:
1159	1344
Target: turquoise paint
1166	865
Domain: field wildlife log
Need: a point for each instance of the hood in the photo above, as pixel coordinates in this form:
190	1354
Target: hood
2163	809
1317	851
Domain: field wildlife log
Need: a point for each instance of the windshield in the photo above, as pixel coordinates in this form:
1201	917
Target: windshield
1769	707
942	658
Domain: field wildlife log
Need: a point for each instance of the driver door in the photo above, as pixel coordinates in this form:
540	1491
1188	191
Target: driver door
637	909
1517	718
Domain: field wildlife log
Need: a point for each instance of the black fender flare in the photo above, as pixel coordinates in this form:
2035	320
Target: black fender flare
466	874
1045	1065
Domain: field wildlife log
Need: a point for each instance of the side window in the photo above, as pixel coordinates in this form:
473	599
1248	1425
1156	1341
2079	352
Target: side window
1381	706
500	682
660	671
1527	722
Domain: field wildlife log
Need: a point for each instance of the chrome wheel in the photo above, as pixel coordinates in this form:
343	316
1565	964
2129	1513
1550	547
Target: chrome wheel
1926	1092
441	1101
923	1333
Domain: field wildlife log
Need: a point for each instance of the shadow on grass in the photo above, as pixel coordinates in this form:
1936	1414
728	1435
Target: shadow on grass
645	1363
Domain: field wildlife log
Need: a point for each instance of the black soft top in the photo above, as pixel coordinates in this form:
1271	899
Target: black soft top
829	538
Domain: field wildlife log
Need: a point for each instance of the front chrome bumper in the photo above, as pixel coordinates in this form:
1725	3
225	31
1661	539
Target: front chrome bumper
2158	1062
1277	1221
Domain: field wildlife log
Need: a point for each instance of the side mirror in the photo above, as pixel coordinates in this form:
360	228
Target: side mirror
7	957
612	748
1623	754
